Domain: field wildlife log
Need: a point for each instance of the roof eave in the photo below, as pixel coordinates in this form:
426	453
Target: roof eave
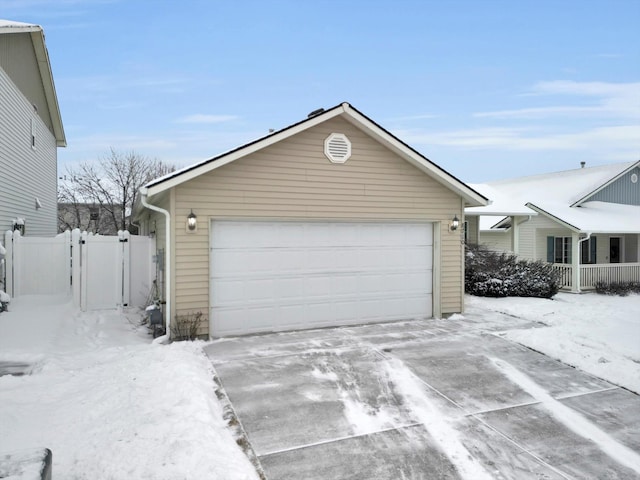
358	119
177	178
541	211
472	197
46	75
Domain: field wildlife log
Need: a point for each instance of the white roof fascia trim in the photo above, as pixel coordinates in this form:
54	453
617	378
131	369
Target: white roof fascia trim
553	217
18	27
211	165
44	65
497	213
410	156
605	185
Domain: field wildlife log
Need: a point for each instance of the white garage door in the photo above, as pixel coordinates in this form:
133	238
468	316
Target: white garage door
269	276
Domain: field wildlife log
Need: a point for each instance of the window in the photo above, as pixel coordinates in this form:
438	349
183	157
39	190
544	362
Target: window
559	249
588	251
33	134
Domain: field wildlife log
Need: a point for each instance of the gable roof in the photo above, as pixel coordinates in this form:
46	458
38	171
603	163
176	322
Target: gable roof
44	66
564	198
345	111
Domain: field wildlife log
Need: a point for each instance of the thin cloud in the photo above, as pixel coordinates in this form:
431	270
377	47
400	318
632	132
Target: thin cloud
617	100
624	138
205	118
410	118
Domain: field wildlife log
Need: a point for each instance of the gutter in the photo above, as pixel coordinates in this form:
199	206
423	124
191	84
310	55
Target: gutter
143	199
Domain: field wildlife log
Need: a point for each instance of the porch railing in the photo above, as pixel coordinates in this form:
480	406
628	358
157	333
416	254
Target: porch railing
591	274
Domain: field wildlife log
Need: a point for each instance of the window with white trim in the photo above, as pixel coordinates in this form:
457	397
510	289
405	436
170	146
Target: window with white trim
559	249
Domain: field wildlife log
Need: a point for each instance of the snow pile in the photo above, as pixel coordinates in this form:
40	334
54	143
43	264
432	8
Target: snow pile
108	402
600	334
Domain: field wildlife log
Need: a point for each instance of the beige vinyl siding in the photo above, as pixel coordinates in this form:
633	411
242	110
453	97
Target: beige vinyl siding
533	239
294	180
499	241
472	229
27	173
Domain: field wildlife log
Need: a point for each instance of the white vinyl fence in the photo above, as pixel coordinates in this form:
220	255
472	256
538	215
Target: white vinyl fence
99	271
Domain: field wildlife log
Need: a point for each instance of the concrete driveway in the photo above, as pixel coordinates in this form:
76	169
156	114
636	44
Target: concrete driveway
436	399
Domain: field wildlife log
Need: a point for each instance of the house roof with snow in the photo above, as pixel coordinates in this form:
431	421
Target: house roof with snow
36	32
350	114
572	198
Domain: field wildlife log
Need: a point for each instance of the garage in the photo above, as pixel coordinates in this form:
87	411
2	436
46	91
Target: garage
270	275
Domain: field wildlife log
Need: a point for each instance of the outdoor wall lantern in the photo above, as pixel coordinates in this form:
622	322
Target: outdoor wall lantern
192	222
455	223
19	225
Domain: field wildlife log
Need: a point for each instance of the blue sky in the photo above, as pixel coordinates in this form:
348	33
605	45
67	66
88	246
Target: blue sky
486	89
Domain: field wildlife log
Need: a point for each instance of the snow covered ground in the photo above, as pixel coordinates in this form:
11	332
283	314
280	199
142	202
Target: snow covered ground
598	334
112	405
108	402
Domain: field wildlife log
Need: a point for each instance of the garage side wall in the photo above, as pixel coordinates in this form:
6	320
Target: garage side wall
294	180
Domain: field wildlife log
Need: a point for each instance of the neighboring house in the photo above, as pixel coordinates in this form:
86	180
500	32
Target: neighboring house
89	217
586	221
330	221
30	132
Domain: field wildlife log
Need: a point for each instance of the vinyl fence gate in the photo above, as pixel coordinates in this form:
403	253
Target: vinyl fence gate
99	271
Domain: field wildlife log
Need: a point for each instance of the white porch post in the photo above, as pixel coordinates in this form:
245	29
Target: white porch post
575	262
515	235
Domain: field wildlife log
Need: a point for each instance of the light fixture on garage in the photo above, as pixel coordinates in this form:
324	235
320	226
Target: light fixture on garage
192	222
455	223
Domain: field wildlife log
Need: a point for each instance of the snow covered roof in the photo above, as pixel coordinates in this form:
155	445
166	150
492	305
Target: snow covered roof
350	114
502	203
564	197
19	26
593	217
46	76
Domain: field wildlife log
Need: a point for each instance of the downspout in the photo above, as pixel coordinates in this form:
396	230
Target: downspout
577	287
143	199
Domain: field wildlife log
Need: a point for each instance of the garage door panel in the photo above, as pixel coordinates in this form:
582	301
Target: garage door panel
228	292
268	276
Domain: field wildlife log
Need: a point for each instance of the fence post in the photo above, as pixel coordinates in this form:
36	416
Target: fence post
76	249
18	264
125	240
83	271
8	262
67	249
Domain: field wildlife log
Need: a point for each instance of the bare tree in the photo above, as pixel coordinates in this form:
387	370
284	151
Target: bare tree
107	188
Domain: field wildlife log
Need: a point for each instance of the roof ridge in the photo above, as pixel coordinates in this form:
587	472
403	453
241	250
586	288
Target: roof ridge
539	176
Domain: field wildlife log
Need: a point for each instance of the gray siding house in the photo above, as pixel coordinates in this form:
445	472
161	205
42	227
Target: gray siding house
585	221
30	131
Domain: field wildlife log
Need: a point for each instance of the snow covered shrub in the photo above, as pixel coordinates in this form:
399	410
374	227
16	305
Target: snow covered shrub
617	288
186	326
491	274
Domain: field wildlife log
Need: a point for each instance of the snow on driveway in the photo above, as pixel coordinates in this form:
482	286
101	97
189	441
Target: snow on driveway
112	405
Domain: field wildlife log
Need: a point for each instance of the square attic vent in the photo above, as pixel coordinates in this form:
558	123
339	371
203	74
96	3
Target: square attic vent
337	148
